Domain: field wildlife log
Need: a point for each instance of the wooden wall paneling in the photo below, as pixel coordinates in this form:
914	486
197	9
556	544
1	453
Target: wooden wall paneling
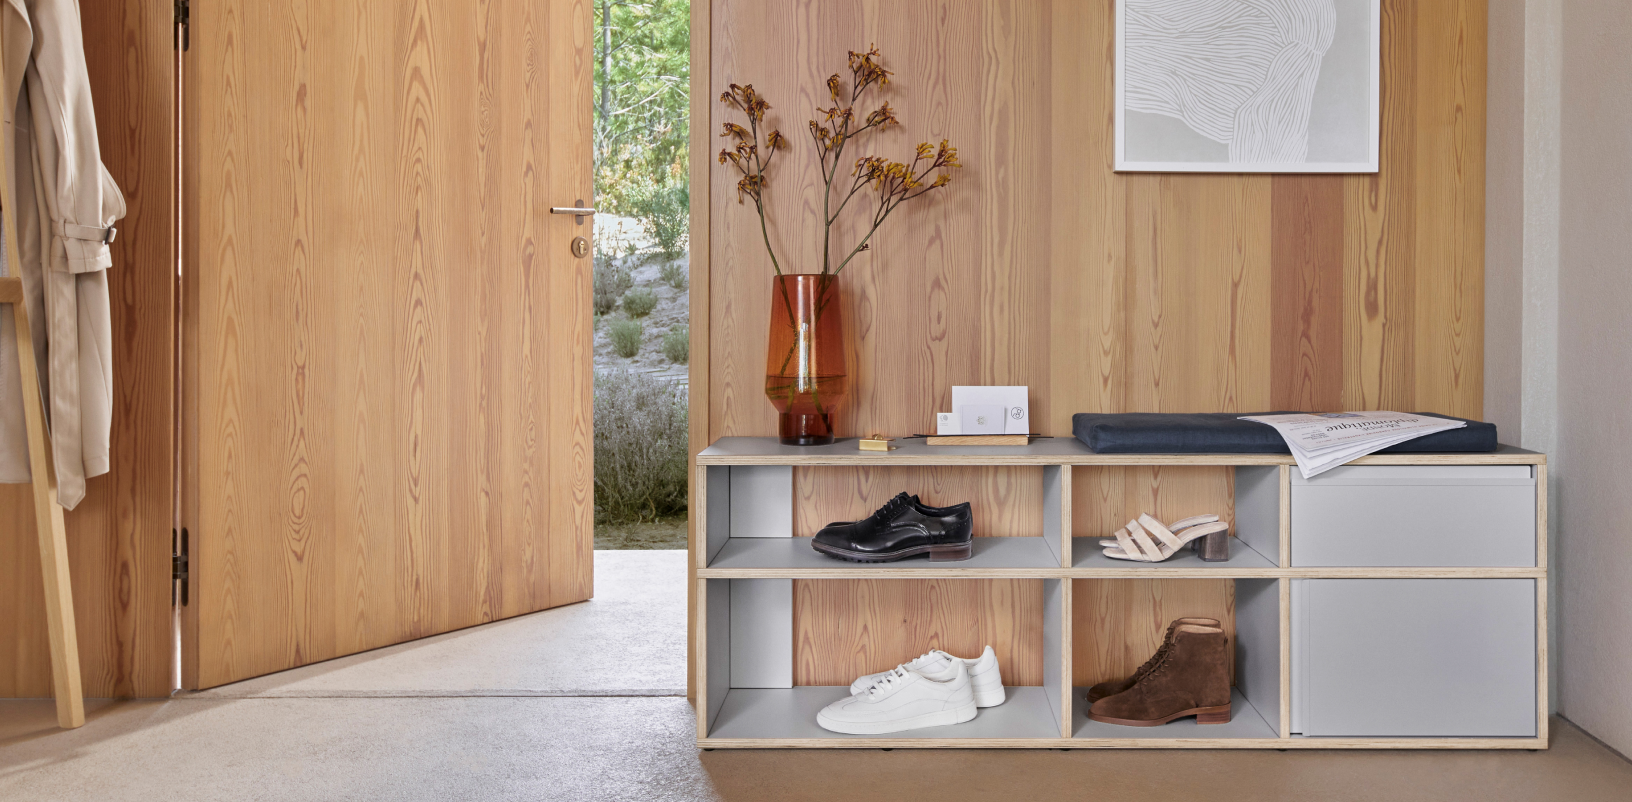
119	535
844	628
1198	293
25	665
124	523
1380	233
1450	192
786	53
1117	624
393	393
1088	225
1307	265
1005	501
1162	293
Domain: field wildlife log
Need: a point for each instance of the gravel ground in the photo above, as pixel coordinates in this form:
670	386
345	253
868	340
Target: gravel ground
673	307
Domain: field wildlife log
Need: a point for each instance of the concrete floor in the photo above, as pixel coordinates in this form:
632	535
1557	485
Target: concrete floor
576	704
629	640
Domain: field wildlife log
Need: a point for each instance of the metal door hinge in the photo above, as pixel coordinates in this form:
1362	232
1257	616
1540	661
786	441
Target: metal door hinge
178	566
184	28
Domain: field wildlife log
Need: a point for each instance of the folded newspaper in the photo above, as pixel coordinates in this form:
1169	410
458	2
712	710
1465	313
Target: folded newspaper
1323	441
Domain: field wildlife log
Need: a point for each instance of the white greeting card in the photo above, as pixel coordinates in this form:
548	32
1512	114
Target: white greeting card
983	418
1014	400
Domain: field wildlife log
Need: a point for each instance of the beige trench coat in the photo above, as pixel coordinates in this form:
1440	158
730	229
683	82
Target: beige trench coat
67	204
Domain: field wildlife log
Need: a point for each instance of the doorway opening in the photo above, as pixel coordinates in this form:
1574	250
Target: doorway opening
641	302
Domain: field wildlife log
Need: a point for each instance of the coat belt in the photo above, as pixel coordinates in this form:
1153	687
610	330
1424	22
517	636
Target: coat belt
86	233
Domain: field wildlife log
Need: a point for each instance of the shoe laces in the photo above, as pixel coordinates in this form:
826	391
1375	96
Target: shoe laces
892	506
1161	652
920	660
886	683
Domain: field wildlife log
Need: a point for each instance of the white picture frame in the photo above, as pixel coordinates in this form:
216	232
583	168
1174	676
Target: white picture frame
1159	138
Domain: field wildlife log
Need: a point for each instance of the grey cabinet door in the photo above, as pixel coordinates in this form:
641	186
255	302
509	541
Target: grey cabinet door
1415	515
1414	657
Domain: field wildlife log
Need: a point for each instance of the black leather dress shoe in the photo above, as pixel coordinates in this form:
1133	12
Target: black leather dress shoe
902	528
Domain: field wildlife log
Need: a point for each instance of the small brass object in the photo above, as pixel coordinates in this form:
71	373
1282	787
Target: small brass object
876	442
580	247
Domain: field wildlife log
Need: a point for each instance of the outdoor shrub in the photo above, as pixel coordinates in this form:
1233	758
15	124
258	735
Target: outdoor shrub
639	302
674	275
612	280
665	212
625	336
677	344
640	447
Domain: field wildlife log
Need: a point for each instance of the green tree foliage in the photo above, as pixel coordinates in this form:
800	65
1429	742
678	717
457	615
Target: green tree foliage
642	91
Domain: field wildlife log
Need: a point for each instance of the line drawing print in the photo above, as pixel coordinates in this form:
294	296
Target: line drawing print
1239	72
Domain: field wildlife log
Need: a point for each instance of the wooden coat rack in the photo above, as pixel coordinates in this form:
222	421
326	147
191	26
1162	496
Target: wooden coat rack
59	597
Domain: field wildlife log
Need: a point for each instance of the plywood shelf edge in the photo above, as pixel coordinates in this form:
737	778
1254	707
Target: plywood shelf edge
1054	451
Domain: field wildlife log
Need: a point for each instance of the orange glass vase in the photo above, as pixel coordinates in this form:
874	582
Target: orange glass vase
804	360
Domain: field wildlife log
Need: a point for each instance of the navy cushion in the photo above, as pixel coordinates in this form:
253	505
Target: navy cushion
1225	433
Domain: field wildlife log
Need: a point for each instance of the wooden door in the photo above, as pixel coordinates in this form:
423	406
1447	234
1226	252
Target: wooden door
387	338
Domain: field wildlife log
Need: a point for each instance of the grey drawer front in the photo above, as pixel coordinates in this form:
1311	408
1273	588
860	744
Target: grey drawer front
1414	657
1426	516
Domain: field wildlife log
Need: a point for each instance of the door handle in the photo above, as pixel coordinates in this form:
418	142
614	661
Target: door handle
578	212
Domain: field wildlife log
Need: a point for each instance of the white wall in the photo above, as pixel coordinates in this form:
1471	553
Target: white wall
1595	370
1559	319
1523	143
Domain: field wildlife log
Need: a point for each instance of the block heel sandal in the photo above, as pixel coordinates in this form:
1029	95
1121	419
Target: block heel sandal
1213	547
1149	540
1175	527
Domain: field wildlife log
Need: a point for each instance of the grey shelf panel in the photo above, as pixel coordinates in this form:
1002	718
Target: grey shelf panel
791	713
1245	722
1087	553
784	553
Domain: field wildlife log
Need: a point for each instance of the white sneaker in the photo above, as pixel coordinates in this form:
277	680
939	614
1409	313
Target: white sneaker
937	665
903	699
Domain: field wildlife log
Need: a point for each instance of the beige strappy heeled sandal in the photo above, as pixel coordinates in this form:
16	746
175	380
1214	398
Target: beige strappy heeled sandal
1175	528
1149	540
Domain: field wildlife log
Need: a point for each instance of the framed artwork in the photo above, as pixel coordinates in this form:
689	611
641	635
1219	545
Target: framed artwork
1248	86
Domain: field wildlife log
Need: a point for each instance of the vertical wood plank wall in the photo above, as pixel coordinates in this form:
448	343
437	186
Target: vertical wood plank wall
1104	292
119	536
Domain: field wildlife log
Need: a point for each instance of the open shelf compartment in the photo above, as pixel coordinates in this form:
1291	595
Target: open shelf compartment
790	713
748	675
1255	545
1255	700
748	514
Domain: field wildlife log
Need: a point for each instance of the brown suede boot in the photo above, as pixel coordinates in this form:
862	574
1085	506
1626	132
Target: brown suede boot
1116	686
1192	679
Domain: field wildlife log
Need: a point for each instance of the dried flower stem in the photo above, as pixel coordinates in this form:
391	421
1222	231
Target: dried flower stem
746	155
894	182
